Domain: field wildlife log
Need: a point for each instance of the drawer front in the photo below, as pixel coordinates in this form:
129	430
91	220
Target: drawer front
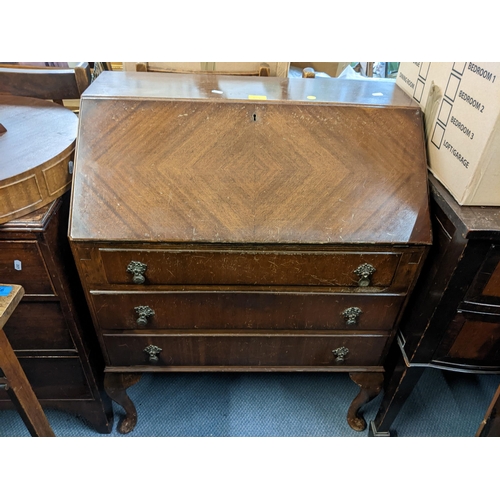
473	340
22	263
245	310
485	288
37	326
197	267
55	378
261	350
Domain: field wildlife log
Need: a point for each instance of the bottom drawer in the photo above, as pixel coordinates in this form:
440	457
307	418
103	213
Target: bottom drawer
242	350
55	378
473	339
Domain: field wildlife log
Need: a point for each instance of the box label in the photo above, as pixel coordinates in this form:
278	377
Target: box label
461	104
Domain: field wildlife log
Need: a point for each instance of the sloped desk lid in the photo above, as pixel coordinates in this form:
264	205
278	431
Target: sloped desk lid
218	159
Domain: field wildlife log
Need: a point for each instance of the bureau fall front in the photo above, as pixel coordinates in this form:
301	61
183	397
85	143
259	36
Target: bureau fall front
247	224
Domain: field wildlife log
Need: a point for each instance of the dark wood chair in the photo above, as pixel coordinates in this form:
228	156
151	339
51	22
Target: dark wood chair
52	83
14	379
262	70
215	68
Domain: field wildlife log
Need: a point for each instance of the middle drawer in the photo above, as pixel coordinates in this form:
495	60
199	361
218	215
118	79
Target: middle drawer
189	310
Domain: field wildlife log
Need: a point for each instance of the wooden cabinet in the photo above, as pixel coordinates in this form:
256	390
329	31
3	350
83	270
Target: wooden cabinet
231	223
453	319
51	331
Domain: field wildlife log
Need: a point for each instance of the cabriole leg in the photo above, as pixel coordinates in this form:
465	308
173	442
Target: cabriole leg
116	385
371	385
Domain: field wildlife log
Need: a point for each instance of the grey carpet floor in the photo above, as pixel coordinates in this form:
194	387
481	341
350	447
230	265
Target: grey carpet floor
443	404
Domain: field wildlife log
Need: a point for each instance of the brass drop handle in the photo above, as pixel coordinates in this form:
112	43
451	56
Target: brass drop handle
351	315
144	313
340	353
364	271
137	269
153	352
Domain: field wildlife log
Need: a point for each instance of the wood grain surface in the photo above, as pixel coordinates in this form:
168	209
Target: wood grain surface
247	310
45	82
194	166
304	351
34	154
8	303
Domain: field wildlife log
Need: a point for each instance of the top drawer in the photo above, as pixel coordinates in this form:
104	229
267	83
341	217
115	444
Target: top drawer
22	263
224	267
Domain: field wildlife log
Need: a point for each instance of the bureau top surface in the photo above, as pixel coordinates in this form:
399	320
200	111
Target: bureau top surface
218	159
209	87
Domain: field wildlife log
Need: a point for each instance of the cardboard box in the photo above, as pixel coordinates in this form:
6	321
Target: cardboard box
461	104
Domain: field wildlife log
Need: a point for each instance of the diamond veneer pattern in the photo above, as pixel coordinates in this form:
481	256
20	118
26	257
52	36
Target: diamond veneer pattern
238	172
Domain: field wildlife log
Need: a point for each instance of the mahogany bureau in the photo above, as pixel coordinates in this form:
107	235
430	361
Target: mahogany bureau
51	331
246	224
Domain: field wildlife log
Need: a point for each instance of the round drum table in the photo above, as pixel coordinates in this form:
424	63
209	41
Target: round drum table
37	144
